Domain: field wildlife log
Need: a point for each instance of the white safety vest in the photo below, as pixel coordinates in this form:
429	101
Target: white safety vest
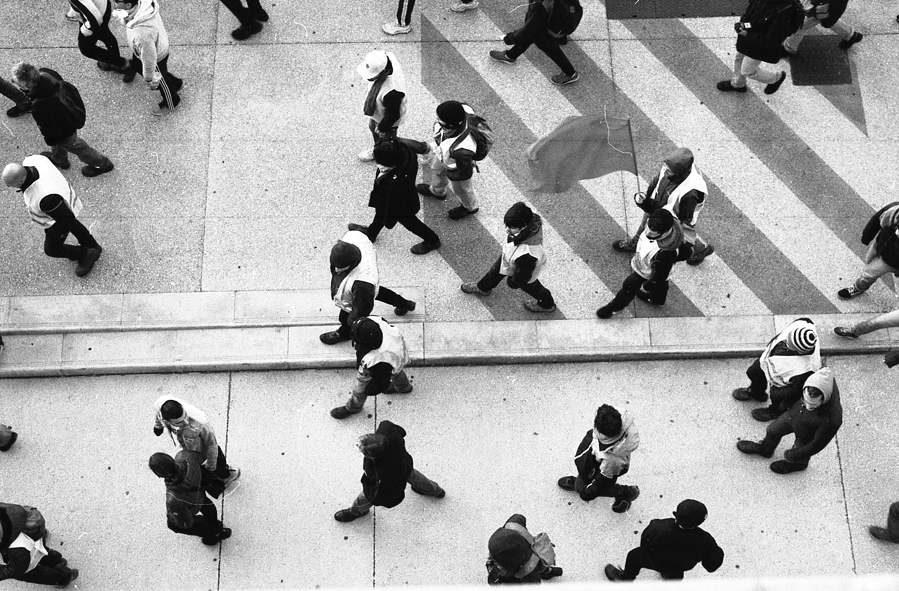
694	181
50	182
392	350
35	547
779	370
366	270
388	86
512	251
641	262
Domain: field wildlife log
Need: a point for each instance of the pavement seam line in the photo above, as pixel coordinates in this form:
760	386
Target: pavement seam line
846	506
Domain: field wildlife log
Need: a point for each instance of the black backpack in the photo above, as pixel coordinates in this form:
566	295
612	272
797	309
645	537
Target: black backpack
769	22
70	98
564	16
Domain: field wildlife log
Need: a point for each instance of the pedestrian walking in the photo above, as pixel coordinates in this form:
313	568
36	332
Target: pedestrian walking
12	92
454	149
382	354
672	546
385	103
189	426
355	285
544	24
250	17
521	261
403	23
604	455
788	360
185	497
814	420
94	16
660	246
762	29
891	532
681	189
7	437
387	467
394	197
868	325
149	43
881	236
826	14
515	555
59	113
25	555
52	204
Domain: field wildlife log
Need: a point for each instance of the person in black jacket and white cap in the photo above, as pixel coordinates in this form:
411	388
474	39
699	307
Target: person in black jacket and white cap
512	558
602	456
521	261
387	468
385	103
672	546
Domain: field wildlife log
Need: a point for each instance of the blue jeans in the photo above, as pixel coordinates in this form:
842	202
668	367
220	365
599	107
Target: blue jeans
59	154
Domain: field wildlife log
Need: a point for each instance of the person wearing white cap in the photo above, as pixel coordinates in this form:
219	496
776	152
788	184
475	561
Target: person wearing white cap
815	420
385	103
790	358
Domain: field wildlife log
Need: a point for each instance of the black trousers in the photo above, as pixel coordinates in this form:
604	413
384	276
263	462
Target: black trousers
534	289
89	47
411	223
55	239
48	571
638	559
388	296
548	45
603	487
221	466
631	286
207	525
242	13
168	86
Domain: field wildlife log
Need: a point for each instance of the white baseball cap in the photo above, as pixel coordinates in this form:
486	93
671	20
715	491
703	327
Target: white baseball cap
374	64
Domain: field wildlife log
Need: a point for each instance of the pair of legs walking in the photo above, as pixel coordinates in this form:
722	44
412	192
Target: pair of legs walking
534	289
548	45
89	46
207	526
59	154
411	223
168	86
464	190
638	559
635	285
399	384
421	484
843	31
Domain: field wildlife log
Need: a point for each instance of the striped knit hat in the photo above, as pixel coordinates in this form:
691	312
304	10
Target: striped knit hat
802	339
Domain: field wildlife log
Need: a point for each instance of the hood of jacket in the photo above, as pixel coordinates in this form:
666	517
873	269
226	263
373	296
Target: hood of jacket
680	162
823	381
45	88
533	234
145	12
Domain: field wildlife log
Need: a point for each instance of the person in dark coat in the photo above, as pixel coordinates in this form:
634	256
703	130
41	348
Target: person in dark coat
186	496
387	468
538	22
815	420
58	127
512	559
761	31
394	196
25	557
825	14
672	546
602	456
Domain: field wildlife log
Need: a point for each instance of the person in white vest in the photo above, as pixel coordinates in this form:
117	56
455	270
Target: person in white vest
521	261
23	554
355	285
453	161
385	103
660	246
788	360
381	357
680	188
52	204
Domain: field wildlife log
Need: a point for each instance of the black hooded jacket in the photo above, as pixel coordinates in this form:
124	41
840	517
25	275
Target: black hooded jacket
50	115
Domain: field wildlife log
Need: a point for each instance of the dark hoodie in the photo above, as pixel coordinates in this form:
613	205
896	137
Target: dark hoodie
673	548
680	163
815	428
524	266
50	115
384	479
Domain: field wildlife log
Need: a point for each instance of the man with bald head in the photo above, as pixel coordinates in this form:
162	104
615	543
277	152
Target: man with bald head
52	204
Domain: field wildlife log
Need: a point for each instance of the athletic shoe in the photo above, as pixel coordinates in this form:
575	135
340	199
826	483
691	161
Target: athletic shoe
18	110
396	29
245	31
233	475
92	171
163	108
424	247
847	43
697	259
410	307
367	155
533	306
562	79
472	288
774	86
605	312
754	448
72	15
726	86
624	246
465	6
333	337
846	333
847	293
460	212
87	261
501	56
425	189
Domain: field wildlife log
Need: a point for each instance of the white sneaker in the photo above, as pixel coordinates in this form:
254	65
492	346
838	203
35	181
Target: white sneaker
234	475
396	29
463	7
367	155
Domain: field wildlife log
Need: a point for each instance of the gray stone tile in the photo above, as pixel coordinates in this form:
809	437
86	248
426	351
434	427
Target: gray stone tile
96	351
480	340
305	350
35	312
31	354
712	333
196	309
605	335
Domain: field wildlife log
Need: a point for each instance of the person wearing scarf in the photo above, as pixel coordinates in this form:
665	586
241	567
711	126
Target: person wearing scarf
381	355
190	427
790	358
659	247
815	420
185	497
603	455
355	285
521	261
881	235
385	103
512	558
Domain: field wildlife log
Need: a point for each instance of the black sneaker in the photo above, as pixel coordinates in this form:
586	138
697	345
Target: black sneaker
409	307
92	171
775	86
613	573
12	439
501	56
18	110
726	86
333	337
846	333
847	43
624	246
562	79
245	31
567	482
754	448
425	189
623	504
424	247
87	261
605	312
551	572
342	412
697	259
847	293
460	212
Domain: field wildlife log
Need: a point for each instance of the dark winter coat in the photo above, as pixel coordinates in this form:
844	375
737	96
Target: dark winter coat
672	548
536	20
512	551
185	495
12	523
394	195
50	115
886	241
813	428
384	480
836	10
767	45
